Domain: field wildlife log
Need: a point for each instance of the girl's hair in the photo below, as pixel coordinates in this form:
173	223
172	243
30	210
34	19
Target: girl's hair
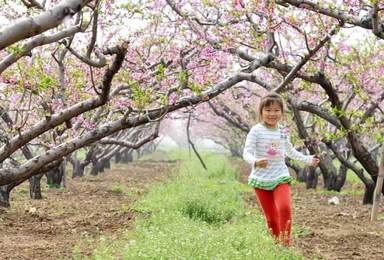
270	99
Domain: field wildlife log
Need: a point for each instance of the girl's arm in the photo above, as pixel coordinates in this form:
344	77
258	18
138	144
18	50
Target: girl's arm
250	147
294	154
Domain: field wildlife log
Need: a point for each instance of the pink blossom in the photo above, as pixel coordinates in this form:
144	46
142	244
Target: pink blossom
237	4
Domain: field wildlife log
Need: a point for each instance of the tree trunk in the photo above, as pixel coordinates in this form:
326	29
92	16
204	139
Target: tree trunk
235	152
138	153
55	177
327	167
107	164
362	154
77	168
340	178
5	191
378	188
127	157
302	174
95	169
118	157
369	164
101	166
4	196
368	194
312	178
34	187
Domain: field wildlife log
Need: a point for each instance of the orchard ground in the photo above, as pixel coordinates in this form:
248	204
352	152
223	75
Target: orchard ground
77	218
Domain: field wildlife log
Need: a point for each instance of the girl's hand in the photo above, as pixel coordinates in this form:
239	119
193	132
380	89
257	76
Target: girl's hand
315	161
262	163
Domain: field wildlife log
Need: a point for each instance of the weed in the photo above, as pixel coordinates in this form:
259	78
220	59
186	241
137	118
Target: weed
117	188
23	191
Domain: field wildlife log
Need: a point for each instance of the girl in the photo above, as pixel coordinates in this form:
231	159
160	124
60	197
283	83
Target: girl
265	148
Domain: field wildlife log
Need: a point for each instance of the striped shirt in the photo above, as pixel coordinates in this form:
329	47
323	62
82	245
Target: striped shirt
272	144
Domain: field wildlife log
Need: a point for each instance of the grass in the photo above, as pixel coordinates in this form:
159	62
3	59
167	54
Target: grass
196	215
117	188
23	190
302	231
380	216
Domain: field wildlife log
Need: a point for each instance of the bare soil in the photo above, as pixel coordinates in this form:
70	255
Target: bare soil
91	207
325	231
88	208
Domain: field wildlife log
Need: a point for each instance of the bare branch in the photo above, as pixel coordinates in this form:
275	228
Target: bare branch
92	43
33	3
192	144
234	121
131	145
98	64
26	28
370	21
39	40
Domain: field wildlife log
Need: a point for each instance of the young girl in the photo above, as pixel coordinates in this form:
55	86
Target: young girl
266	146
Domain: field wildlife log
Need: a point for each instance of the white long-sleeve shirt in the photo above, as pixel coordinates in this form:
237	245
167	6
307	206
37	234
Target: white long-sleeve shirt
272	144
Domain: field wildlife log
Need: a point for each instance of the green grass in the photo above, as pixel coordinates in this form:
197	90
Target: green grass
352	177
380	216
117	188
196	215
302	232
23	190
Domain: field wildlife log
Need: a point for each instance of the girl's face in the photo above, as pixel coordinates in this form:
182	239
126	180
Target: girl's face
271	115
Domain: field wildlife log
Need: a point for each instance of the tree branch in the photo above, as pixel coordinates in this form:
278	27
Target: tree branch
191	143
292	74
66	114
39	40
131	145
26	28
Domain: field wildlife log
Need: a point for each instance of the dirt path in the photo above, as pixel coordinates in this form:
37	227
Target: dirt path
88	208
341	231
333	231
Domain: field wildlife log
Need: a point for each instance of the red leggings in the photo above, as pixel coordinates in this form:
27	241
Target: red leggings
277	208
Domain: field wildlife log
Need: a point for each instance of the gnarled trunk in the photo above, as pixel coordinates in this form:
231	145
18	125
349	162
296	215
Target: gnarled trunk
55	176
5	192
302	174
4	196
35	187
368	194
96	168
127	157
106	163
118	157
312	178
340	178
327	167
78	168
